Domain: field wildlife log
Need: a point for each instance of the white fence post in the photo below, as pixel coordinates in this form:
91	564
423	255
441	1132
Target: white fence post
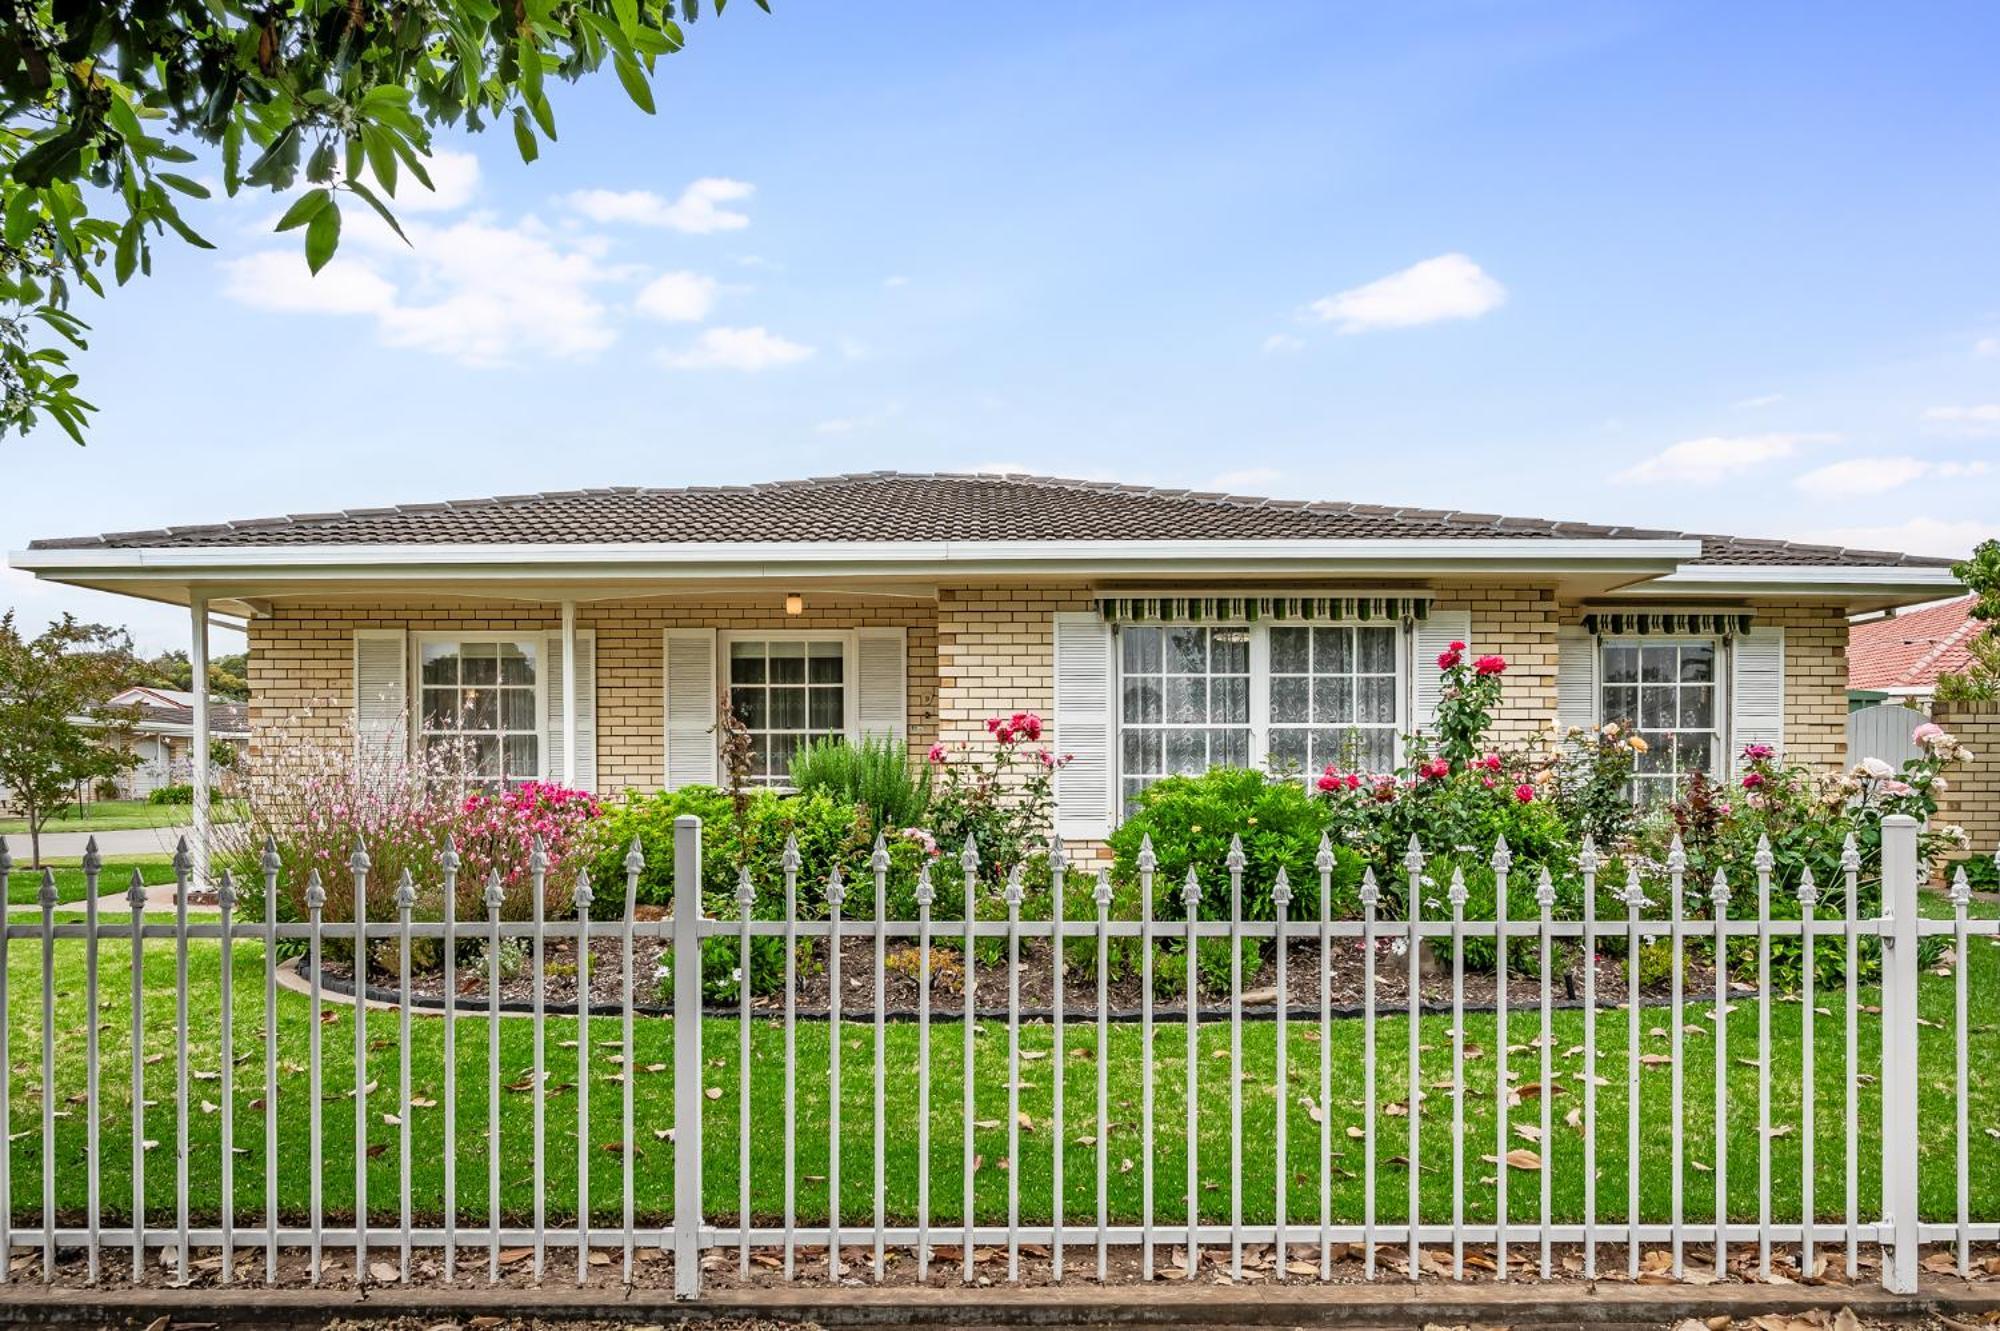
1899	1053
687	1057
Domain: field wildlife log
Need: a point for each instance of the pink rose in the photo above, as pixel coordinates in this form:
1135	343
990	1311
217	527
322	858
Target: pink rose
1525	793
937	753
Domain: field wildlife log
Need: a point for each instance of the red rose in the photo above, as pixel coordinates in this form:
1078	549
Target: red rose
1490	665
1446	660
1327	780
1524	793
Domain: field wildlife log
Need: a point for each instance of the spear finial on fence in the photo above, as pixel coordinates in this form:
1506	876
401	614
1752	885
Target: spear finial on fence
135	891
1235	860
836	887
968	859
538	856
406	891
448	857
1323	859
315	890
225	893
1456	893
635	858
7	858
1413	858
746	891
879	860
1281	892
1545	890
1102	894
46	897
926	892
1961	889
1148	861
1763	861
1371	893
494	896
582	897
183	860
271	862
92	862
1058	859
358	861
1635	892
1808	888
1587	859
1013	892
1718	891
1191	891
788	858
1850	855
1677	856
1503	856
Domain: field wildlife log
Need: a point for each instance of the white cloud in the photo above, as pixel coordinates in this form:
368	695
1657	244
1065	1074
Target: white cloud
1986	346
1451	286
1761	400
1980	418
454	180
1718	457
747	349
1866	476
1282	344
677	297
475	291
1246	480
1943	537
698	211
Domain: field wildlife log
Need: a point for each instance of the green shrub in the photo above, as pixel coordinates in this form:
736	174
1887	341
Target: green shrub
182	793
874	775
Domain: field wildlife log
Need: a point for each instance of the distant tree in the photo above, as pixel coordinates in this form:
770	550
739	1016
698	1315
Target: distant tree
102	103
228	676
1980	680
55	731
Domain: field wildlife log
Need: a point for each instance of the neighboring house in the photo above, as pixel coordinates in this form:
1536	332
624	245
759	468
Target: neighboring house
162	735
585	635
1898	657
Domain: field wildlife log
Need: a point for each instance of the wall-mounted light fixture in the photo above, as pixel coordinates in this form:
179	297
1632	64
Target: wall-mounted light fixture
795	603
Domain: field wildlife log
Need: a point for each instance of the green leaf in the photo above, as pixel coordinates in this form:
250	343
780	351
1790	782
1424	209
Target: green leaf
381	158
531	68
635	83
369	197
184	185
322	236
627	14
127	257
305	209
545	117
524	136
232	157
20	216
182	229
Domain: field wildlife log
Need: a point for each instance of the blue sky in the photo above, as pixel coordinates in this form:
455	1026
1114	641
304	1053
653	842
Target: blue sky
1705	266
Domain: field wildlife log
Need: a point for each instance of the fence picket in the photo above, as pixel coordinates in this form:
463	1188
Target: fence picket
92	1094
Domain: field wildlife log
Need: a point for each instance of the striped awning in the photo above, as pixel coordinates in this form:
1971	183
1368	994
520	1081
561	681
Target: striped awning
1247	609
1667	623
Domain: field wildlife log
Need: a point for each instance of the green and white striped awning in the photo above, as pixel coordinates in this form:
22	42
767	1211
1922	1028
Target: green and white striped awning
1247	609
1667	623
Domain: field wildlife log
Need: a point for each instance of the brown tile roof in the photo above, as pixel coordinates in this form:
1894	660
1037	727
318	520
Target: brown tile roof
900	506
1911	649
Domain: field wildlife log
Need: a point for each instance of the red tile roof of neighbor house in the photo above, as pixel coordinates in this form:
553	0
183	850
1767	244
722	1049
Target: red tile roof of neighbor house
1911	649
899	506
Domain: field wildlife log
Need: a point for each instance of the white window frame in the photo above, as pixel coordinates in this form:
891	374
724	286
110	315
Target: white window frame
536	640
1723	726
850	700
1260	683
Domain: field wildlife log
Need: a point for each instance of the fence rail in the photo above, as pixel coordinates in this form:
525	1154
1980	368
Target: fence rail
1288	1097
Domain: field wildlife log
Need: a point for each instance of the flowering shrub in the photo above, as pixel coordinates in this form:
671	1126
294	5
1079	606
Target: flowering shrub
1470	692
1003	796
496	833
1590	780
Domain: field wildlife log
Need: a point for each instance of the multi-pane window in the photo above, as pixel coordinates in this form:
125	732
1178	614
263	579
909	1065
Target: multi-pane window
1668	691
1333	698
1184	701
479	716
787	692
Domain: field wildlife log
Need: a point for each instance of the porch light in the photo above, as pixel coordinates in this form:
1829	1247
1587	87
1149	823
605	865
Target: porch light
795	603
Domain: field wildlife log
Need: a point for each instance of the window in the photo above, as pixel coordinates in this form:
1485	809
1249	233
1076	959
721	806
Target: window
1333	698
481	707
1291	697
1184	702
1668	691
787	692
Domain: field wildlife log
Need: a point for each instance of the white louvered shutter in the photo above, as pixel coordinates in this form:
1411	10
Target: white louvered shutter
586	709
1576	680
690	695
1757	691
1434	635
381	695
881	684
1084	795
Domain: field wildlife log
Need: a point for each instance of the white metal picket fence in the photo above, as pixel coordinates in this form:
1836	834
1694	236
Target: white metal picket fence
1177	1217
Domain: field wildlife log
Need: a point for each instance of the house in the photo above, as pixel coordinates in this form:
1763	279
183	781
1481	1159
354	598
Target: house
161	733
1898	657
585	636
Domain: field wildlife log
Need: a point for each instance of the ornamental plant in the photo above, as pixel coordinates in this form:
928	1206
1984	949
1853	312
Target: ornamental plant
1470	692
1002	794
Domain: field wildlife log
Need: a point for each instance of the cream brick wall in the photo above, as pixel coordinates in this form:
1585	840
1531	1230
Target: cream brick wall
1518	623
301	664
1973	800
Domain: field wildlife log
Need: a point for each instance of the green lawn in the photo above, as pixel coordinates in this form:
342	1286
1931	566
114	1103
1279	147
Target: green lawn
24	886
119	815
654	1155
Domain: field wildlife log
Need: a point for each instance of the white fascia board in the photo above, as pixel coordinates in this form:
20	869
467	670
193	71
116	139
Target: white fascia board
784	558
1810	579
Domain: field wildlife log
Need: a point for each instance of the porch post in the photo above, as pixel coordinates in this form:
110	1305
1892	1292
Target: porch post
198	668
569	694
